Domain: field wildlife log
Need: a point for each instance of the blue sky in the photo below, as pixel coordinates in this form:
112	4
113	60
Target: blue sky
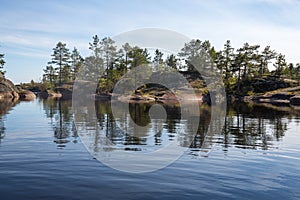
30	29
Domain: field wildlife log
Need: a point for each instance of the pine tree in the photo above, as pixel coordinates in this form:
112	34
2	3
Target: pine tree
198	53
158	60
138	57
95	46
190	52
236	67
127	48
50	75
249	55
265	58
109	52
224	60
280	64
76	62
94	62
61	58
171	61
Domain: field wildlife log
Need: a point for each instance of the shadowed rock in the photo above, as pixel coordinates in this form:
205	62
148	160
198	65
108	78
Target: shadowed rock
65	92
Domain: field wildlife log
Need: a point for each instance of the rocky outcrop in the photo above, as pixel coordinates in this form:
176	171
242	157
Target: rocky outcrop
27	95
49	94
287	96
8	89
59	92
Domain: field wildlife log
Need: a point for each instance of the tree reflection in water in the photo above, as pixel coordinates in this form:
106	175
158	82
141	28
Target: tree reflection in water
246	126
2	128
254	127
61	120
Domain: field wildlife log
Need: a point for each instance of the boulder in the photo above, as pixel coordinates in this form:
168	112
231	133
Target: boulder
50	94
7	89
27	95
6	95
15	95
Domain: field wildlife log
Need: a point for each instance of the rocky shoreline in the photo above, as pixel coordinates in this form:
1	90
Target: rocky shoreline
9	91
281	97
286	96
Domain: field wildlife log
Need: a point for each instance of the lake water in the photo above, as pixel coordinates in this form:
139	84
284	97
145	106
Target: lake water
257	156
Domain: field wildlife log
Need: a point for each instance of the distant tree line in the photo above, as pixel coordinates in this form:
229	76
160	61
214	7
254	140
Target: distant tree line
238	65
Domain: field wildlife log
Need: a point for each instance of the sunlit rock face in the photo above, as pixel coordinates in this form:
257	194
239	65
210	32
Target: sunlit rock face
7	89
27	95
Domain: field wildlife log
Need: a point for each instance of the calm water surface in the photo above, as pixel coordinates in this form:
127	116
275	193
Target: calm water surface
257	156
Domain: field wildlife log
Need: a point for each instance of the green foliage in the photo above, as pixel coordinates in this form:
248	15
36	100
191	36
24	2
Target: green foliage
172	62
138	57
47	86
231	83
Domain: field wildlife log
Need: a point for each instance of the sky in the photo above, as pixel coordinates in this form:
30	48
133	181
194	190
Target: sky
30	29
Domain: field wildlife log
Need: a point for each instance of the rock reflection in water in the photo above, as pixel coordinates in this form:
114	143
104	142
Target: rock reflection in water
5	106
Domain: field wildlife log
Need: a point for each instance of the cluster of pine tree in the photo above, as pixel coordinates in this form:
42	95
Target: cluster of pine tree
63	66
236	65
